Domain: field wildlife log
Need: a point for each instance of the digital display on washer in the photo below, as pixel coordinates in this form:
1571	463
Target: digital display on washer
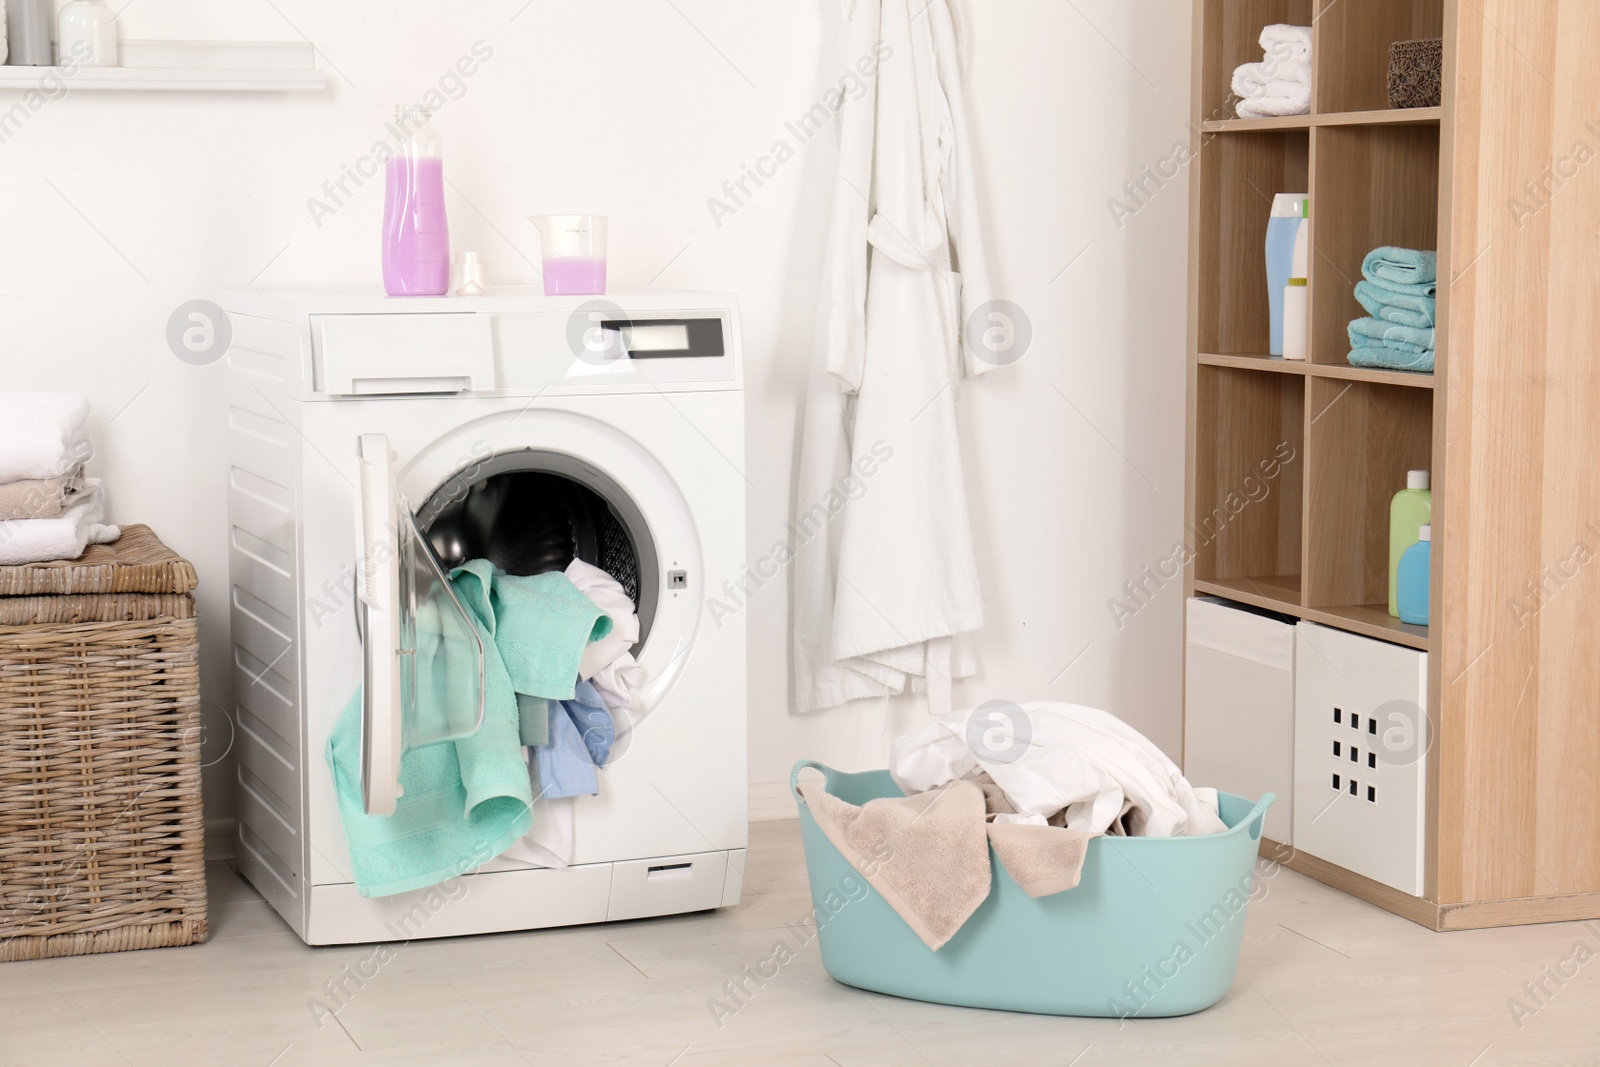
656	338
670	338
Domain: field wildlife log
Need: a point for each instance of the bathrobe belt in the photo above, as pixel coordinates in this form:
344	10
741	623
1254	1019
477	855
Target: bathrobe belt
883	236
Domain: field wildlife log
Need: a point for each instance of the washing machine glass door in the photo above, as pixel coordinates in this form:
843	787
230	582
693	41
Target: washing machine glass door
424	660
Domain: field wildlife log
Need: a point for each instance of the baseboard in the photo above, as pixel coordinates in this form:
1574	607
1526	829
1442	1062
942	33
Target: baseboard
1520	911
770	801
222	837
1463	915
1420	911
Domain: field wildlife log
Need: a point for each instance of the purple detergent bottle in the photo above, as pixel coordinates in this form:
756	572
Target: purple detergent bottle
416	236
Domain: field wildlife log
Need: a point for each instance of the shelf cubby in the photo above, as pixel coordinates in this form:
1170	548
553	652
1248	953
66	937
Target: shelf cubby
1352	48
1249	481
1235	27
1371	186
1364	437
1243	173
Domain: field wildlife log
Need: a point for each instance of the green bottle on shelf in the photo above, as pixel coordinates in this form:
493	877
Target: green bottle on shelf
1411	510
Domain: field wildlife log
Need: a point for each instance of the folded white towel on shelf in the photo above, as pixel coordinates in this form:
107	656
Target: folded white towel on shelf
1268	78
1296	102
1281	83
1292	42
41	434
39	540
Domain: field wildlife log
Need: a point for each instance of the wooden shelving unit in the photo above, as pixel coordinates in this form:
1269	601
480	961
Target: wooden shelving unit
1292	465
1315	545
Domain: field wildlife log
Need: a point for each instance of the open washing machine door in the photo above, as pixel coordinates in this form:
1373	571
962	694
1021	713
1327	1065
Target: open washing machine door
423	676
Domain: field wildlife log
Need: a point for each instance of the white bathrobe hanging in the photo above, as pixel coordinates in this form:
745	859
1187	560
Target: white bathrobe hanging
886	582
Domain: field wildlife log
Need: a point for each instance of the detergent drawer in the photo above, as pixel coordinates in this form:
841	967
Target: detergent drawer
667	885
402	354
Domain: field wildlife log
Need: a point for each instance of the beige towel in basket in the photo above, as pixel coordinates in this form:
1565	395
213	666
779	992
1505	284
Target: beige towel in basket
1043	860
928	854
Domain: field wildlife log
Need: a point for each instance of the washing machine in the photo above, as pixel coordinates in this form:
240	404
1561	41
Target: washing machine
368	439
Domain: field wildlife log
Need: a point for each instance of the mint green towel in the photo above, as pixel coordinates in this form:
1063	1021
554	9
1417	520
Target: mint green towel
1405	266
541	623
1428	289
465	803
1364	332
1383	357
1389	305
1389	346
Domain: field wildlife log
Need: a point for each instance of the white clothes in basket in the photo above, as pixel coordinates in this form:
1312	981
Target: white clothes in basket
1101	774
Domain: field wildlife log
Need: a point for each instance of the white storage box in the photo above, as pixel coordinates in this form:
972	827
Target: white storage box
1239	706
1361	743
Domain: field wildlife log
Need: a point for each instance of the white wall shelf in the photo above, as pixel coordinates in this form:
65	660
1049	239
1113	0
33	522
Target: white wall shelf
186	66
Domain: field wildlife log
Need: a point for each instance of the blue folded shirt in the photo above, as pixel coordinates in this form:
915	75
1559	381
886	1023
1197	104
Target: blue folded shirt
581	735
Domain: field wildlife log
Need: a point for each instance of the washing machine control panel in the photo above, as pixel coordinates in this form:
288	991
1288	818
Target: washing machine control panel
598	347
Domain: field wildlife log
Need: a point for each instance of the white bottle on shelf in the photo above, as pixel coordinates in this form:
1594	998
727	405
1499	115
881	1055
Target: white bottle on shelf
1296	295
87	34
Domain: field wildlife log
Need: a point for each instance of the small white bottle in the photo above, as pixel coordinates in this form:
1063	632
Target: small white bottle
1296	295
474	275
87	34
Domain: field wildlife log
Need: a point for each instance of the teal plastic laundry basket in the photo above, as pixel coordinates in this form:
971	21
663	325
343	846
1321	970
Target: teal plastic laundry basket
1152	930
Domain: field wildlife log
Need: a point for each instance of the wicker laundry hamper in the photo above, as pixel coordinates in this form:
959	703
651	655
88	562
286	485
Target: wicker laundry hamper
101	835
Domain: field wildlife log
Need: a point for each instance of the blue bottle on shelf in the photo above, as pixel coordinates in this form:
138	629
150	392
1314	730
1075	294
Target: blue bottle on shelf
1283	228
1415	566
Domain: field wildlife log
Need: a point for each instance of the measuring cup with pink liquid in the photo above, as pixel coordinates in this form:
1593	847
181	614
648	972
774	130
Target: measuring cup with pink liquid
574	253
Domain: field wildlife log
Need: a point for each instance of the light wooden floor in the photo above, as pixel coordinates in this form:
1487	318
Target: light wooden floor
1324	980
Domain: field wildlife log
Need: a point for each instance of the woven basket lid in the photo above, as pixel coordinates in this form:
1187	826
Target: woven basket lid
136	562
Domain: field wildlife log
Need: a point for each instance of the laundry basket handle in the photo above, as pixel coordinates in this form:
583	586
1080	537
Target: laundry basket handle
1257	818
794	776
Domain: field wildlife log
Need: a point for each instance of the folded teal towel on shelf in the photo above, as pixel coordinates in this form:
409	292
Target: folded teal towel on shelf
1364	332
1403	308
1427	289
466	802
1401	265
1383	357
1386	346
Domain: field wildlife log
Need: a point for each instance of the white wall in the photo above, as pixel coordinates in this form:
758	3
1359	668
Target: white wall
120	206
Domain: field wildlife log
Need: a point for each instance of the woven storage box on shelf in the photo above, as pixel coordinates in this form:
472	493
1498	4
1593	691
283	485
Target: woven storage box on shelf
101	834
1416	73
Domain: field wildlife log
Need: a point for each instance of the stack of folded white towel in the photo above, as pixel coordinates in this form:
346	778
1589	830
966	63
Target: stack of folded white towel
48	509
1281	83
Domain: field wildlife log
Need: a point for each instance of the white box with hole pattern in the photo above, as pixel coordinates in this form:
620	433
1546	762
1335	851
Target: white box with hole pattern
1360	762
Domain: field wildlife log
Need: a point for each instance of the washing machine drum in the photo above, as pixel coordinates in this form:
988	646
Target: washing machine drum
530	513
